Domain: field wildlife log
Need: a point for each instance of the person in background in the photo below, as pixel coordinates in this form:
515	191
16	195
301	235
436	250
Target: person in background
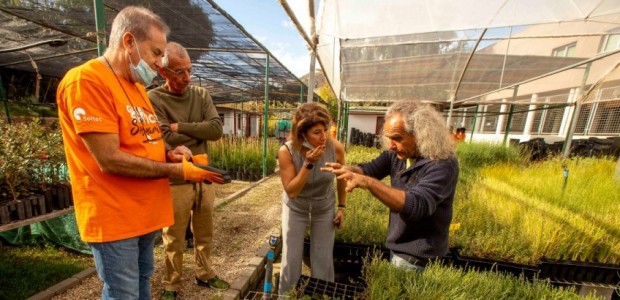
333	130
460	134
423	168
309	196
283	128
188	118
115	154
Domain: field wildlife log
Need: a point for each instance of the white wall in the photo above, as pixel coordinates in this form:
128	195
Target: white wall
229	122
363	123
230	119
254	125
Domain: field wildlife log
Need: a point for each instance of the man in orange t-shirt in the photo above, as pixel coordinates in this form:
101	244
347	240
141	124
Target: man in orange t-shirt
115	154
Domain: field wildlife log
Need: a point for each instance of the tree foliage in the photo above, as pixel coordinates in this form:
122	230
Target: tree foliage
326	93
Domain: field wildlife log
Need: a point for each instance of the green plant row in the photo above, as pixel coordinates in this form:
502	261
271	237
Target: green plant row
31	159
242	154
366	220
523	214
357	154
511	209
440	282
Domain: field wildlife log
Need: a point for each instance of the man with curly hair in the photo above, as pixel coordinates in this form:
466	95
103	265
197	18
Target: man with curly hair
423	168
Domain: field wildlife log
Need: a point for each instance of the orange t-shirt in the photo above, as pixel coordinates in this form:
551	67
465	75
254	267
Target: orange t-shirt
108	207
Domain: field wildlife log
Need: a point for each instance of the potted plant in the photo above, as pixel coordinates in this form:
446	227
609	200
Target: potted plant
18	150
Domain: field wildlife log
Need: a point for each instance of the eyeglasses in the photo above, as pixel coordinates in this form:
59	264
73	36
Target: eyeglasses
180	72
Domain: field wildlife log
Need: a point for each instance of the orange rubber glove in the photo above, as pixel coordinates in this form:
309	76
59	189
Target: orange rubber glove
201	159
194	173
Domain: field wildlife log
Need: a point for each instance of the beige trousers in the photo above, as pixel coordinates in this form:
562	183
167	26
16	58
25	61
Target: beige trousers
186	202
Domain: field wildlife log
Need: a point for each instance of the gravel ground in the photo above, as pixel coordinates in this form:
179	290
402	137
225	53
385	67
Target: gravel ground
241	227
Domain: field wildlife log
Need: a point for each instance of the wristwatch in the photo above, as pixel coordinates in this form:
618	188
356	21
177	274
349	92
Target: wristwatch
308	165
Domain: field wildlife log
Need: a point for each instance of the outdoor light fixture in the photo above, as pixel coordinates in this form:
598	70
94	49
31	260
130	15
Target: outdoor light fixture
51	43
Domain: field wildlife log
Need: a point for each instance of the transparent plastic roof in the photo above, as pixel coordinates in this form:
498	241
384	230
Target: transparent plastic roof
471	51
226	59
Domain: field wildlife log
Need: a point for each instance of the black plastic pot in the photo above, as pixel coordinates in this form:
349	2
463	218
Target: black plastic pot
483	264
580	272
321	289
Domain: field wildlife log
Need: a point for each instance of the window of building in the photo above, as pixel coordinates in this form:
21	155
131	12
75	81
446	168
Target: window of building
611	41
565	51
222	117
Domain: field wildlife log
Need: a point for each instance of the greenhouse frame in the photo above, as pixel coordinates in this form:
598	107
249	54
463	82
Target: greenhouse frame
517	222
49	37
517	69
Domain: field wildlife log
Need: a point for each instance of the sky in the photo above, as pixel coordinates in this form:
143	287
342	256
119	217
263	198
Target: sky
268	23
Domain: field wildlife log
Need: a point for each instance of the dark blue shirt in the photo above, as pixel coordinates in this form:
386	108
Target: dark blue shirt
421	228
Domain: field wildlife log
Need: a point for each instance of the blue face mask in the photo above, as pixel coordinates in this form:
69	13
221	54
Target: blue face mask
142	73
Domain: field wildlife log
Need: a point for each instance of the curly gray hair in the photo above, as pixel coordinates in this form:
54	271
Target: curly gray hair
427	125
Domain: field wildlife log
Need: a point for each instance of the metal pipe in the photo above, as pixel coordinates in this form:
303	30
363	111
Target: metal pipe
46	25
515	91
291	16
501	78
266	117
458	85
587	61
346	123
5	100
100	26
473	126
573	120
51	43
48	57
314	41
233	21
235	50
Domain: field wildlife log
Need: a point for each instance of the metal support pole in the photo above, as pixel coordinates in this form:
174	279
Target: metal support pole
244	118
311	75
100	26
5	100
458	85
314	39
266	117
473	125
341	122
508	123
301	93
345	133
573	120
515	91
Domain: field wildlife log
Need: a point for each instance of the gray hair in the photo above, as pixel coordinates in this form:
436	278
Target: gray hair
138	21
427	125
175	50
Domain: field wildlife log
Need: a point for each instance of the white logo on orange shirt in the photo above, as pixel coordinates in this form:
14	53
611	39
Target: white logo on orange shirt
78	112
80	115
140	114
